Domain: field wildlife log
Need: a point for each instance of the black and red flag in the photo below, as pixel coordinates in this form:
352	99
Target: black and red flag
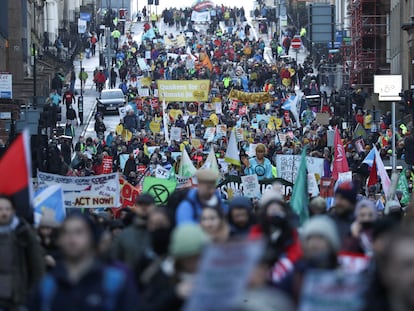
15	172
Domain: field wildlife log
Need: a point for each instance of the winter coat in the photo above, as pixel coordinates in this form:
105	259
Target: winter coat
102	288
21	263
130	244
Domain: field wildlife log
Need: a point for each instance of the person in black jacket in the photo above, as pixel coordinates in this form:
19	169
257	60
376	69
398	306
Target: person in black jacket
100	128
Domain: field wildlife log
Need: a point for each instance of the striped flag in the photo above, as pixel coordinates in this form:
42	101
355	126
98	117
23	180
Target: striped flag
16	173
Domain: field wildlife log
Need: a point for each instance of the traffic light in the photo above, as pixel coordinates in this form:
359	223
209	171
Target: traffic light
157	2
406	104
150	2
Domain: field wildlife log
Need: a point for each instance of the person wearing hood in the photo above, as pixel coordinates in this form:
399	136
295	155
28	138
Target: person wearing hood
360	240
343	211
240	216
276	225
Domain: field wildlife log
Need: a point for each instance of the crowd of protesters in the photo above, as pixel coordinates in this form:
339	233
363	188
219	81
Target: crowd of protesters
102	259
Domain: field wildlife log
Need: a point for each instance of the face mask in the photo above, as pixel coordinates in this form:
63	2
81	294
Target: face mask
325	260
160	240
277	229
367	225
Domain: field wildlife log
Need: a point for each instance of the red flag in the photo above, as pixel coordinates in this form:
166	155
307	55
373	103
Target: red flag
16	171
340	163
373	176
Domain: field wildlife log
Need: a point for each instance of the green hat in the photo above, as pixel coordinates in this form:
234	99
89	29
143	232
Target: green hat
187	240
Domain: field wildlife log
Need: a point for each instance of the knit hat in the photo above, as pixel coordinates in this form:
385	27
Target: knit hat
241	202
207	176
270	195
187	240
324	226
365	203
347	191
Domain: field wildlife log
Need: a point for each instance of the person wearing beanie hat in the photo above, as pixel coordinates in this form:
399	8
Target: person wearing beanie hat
259	165
48	234
187	240
102	287
343	211
317	206
320	243
320	227
240	216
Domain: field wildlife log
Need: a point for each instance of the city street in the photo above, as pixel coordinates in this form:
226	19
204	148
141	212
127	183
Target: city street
136	28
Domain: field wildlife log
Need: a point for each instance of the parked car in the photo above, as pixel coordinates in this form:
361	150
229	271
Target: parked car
110	100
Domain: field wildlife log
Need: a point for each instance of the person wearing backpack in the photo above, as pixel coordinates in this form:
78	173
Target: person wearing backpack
206	194
81	281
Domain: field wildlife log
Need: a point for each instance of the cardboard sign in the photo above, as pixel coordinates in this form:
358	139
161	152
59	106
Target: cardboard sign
221	130
196	143
155	127
161	172
251	187
107	165
208	123
313	188
209	134
322	118
223	275
219	108
327	185
332	291
288	166
176	133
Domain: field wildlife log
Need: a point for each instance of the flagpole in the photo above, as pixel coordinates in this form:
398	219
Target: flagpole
394	156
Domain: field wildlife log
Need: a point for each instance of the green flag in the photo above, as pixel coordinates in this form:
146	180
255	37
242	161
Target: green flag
160	189
403	187
300	196
172	174
187	168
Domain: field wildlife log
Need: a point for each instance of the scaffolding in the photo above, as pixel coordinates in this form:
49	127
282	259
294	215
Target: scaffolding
368	48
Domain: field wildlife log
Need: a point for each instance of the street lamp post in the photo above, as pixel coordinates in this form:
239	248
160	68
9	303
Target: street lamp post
80	99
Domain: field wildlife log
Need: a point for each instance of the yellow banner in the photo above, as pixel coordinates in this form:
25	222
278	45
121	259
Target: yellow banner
183	90
259	97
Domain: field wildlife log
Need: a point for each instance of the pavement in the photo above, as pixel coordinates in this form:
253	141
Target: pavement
89	93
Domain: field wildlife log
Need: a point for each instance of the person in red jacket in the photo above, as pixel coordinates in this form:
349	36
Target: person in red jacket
276	223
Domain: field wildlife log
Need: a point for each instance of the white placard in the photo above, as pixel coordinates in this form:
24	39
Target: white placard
251	187
175	133
288	166
161	172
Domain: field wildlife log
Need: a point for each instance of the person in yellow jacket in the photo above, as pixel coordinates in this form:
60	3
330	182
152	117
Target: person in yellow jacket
368	120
